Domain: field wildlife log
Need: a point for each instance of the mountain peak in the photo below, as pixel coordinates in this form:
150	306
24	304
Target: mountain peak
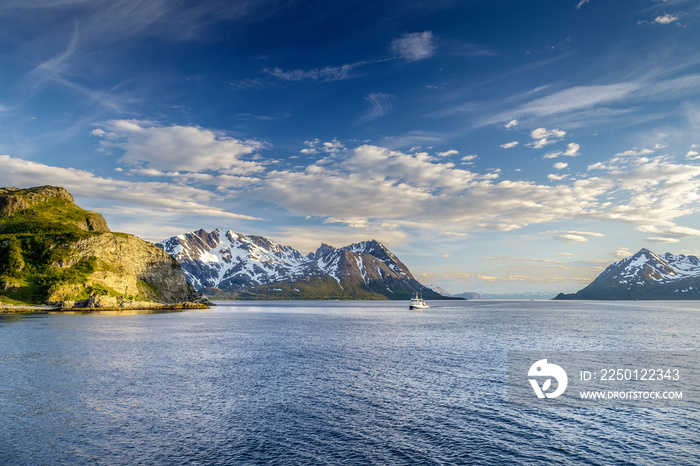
322	251
254	267
646	275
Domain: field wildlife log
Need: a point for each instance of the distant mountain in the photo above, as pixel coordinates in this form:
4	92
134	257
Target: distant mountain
228	264
439	290
645	275
524	296
468	295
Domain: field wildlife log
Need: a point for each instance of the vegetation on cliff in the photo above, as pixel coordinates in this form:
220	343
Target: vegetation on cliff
54	252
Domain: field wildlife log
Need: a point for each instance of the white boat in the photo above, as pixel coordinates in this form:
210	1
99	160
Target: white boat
418	303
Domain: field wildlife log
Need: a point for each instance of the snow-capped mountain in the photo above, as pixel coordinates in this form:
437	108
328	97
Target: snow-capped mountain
645	275
254	267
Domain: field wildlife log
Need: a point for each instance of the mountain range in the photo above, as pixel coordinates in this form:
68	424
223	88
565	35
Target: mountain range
224	263
645	275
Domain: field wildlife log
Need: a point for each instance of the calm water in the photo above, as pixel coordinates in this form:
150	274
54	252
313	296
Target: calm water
327	383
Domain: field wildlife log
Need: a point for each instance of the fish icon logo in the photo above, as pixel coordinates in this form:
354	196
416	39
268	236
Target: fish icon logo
544	369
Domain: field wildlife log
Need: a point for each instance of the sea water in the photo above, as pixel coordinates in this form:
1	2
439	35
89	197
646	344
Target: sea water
329	383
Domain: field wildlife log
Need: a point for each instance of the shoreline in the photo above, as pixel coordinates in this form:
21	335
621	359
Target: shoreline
45	308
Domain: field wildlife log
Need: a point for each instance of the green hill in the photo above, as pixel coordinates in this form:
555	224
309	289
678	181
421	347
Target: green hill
54	252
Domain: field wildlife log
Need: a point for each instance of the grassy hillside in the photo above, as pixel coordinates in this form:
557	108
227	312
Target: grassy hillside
44	210
52	251
317	288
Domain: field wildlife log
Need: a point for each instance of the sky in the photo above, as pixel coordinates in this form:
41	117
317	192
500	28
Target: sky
494	146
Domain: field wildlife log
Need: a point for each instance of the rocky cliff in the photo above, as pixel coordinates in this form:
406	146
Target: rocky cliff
54	252
125	268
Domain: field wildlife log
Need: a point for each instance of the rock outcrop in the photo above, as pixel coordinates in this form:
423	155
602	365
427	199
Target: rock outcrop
47	204
54	252
132	269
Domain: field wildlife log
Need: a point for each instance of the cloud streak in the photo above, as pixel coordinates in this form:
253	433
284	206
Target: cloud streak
381	105
582	98
325	74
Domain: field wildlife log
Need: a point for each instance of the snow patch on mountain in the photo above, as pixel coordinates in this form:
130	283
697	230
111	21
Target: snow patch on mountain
646	275
229	260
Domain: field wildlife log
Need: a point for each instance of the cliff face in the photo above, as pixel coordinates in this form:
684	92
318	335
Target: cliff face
54	252
129	268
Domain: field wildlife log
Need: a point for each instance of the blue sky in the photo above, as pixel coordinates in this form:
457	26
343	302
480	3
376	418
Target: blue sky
492	145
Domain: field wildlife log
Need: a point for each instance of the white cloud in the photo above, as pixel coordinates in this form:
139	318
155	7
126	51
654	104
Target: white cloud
369	186
417	185
509	145
651	190
543	137
576	236
332	147
572	150
415	46
158	196
635	152
469	158
635	190
572	238
457	234
581	3
623	252
692	154
448	153
673	231
554	177
658	239
666	19
560	165
310	147
511	124
178	148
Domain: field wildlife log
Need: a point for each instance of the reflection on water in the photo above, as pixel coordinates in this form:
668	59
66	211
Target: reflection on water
119	312
334	383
